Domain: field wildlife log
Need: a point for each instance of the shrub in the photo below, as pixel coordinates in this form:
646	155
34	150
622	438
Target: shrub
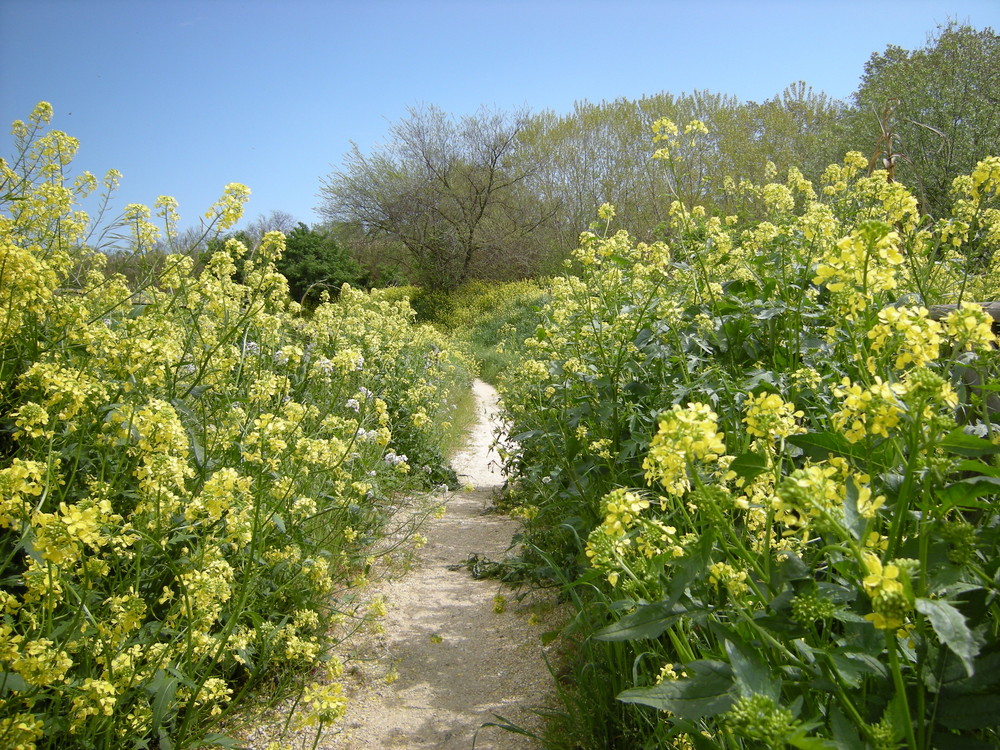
192	473
744	446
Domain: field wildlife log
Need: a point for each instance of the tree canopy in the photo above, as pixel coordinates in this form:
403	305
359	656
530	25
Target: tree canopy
499	195
932	113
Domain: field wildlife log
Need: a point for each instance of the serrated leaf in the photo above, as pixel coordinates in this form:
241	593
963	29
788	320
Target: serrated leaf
708	692
749	465
845	734
963	444
821	445
949	625
648	621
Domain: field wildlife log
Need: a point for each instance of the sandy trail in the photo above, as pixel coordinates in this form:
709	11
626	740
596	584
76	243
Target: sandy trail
459	662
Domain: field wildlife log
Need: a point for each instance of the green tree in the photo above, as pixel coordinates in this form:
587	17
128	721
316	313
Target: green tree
931	114
313	261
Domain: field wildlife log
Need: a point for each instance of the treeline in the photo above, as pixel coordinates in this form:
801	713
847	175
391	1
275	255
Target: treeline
504	194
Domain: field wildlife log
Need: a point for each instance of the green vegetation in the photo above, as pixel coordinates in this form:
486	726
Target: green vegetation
741	456
193	472
313	263
753	436
504	196
492	319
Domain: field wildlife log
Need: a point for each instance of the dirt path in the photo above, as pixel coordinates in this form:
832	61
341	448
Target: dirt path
459	662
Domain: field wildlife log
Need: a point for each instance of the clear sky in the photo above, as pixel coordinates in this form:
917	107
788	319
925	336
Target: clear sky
184	96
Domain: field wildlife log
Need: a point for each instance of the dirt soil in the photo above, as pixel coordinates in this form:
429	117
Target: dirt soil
447	662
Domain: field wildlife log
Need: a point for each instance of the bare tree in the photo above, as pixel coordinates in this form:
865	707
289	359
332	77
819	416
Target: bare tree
444	196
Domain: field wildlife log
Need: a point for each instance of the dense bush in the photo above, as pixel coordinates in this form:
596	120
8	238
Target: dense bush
742	453
492	318
192	473
313	261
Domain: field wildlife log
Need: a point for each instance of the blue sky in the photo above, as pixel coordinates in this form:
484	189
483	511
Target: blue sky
185	96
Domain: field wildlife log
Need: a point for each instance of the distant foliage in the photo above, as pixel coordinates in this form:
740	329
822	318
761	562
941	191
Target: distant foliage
938	107
314	262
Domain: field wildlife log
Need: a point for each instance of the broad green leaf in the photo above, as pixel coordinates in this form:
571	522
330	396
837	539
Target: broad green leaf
820	446
845	734
752	674
799	740
709	691
949	624
12	682
854	666
969	711
163	689
963	493
749	465
857	524
648	621
945	741
978	467
219	740
963	444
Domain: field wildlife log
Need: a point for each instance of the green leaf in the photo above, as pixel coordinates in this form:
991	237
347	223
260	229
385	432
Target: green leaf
752	675
978	467
969	711
857	524
855	666
799	740
949	625
964	492
821	445
648	621
963	444
219	740
12	682
749	465
163	689
709	691
845	734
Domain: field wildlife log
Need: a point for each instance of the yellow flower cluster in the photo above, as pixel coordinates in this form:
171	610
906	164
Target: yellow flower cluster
861	265
889	597
875	410
771	417
184	453
971	327
910	333
684	434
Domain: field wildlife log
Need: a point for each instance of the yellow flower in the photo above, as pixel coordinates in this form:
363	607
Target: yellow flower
971	327
327	703
769	416
684	434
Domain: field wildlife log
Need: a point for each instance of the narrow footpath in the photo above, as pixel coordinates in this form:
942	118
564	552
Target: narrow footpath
454	662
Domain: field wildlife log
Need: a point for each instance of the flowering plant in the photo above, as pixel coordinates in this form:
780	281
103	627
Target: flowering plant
192	470
751	454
